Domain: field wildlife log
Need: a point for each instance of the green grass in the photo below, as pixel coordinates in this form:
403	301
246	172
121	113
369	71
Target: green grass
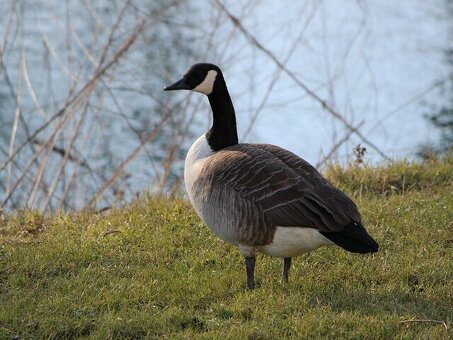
395	177
153	270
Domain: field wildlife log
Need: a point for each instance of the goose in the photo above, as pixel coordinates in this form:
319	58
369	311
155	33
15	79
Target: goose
260	197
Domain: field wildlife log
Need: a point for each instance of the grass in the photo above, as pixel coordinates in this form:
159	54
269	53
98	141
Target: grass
153	270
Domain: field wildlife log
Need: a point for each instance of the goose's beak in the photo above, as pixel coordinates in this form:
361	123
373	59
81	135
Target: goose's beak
179	85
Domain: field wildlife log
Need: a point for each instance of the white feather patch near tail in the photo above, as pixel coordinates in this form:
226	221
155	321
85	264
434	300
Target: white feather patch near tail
207	85
294	241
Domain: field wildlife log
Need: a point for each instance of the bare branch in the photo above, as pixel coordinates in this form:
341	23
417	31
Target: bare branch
337	145
119	170
236	22
86	89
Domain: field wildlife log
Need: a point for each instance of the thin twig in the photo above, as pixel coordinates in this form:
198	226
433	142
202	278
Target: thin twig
277	75
119	170
301	84
425	320
86	88
12	140
337	145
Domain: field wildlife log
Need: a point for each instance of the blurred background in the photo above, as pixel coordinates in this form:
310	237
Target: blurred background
84	122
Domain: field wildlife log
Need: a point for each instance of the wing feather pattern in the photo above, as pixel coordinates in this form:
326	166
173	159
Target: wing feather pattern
282	188
288	190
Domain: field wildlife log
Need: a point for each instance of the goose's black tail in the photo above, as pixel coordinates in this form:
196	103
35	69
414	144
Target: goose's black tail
354	238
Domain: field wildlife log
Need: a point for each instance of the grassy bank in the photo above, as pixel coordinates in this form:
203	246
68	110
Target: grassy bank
153	270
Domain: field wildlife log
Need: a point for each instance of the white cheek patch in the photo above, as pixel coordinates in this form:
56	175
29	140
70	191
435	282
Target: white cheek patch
207	84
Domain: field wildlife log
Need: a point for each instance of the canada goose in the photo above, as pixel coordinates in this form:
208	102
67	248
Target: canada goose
260	197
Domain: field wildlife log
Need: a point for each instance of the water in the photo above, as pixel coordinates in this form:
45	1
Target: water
375	62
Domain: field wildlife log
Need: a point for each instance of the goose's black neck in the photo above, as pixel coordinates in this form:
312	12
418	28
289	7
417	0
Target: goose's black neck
223	132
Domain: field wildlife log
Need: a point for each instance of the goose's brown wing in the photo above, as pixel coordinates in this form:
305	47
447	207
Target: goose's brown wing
285	189
323	198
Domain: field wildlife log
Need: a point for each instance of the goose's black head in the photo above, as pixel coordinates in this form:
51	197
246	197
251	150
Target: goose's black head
200	78
208	79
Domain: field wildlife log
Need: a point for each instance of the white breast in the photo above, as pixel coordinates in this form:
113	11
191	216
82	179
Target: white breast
294	241
197	155
196	172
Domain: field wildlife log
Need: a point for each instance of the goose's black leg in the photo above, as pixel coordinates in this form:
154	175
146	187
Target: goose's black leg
286	266
250	267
